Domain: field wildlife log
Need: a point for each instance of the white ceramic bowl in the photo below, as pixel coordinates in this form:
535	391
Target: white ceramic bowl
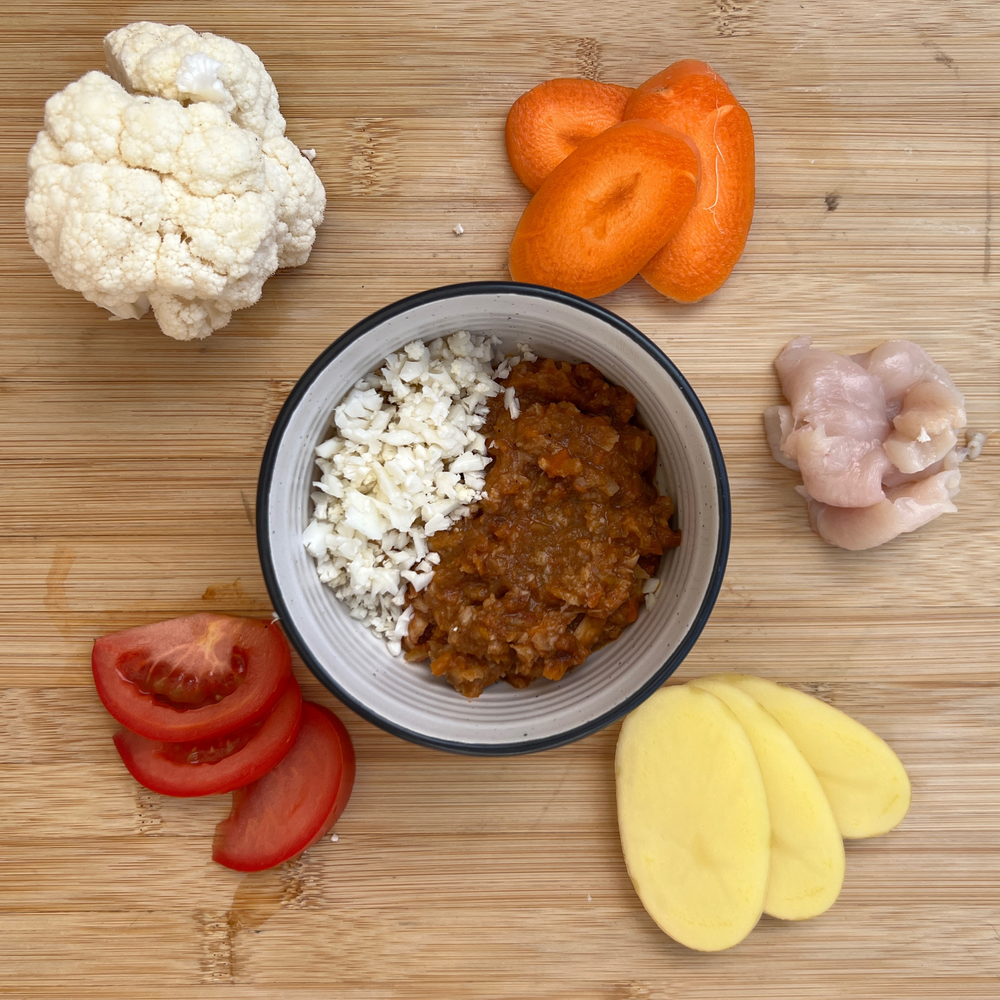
405	698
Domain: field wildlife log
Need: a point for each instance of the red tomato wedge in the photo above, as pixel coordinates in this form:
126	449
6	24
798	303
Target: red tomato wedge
221	764
292	806
192	678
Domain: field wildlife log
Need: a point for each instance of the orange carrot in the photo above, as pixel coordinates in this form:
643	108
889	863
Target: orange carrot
547	123
692	98
606	209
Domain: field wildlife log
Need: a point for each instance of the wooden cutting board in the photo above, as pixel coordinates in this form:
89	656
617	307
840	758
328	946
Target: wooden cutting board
128	467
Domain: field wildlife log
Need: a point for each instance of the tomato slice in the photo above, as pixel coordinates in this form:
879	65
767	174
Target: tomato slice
221	764
292	806
192	678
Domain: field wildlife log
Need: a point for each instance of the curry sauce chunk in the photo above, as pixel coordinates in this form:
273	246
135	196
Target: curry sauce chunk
550	564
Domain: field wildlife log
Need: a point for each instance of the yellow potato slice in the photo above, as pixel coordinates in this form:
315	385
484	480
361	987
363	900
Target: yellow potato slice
864	780
807	852
692	815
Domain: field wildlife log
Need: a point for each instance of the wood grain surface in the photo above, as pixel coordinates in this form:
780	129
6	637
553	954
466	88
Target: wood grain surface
128	468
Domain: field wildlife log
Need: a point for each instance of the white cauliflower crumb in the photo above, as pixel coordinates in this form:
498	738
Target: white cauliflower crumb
406	460
309	154
511	403
974	443
171	186
459	229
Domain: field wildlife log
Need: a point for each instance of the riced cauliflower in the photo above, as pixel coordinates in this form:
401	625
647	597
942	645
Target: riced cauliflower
406	459
171	186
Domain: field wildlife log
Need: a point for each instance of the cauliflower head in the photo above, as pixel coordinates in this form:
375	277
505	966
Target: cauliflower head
171	186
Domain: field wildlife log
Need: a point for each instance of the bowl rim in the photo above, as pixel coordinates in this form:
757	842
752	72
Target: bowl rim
458	290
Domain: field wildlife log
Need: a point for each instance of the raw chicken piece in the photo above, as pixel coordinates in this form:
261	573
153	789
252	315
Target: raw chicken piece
922	401
868	480
894	477
910	455
924	429
905	508
900	365
778	424
840	422
930	407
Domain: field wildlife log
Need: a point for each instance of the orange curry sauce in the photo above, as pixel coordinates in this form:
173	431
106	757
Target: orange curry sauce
550	564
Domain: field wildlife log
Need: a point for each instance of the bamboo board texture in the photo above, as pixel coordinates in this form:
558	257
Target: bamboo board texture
128	467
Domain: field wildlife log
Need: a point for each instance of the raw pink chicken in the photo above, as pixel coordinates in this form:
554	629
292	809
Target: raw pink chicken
904	508
922	402
894	477
838	424
873	436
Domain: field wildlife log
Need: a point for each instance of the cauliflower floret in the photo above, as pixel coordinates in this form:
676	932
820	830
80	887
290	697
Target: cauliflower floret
183	195
164	59
298	187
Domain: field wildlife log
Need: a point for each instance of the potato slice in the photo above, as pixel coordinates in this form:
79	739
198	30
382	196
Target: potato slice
807	852
692	815
864	780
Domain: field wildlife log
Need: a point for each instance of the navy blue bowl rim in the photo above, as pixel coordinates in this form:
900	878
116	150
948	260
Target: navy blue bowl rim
491	288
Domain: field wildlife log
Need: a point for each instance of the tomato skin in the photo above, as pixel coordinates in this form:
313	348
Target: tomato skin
292	806
261	644
151	764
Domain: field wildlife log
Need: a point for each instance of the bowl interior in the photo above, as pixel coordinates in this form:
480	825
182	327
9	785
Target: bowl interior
405	698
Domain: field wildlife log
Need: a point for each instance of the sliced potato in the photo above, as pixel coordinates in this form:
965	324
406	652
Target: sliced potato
692	814
864	780
807	852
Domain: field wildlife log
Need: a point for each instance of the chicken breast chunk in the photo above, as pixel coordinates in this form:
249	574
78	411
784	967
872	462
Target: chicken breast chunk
925	407
838	424
903	509
873	435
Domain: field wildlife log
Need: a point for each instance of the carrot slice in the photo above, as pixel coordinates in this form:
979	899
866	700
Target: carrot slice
692	98
606	209
547	123
685	91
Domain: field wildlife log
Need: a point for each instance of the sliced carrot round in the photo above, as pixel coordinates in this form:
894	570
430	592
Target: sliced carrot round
692	98
684	92
606	209
547	123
